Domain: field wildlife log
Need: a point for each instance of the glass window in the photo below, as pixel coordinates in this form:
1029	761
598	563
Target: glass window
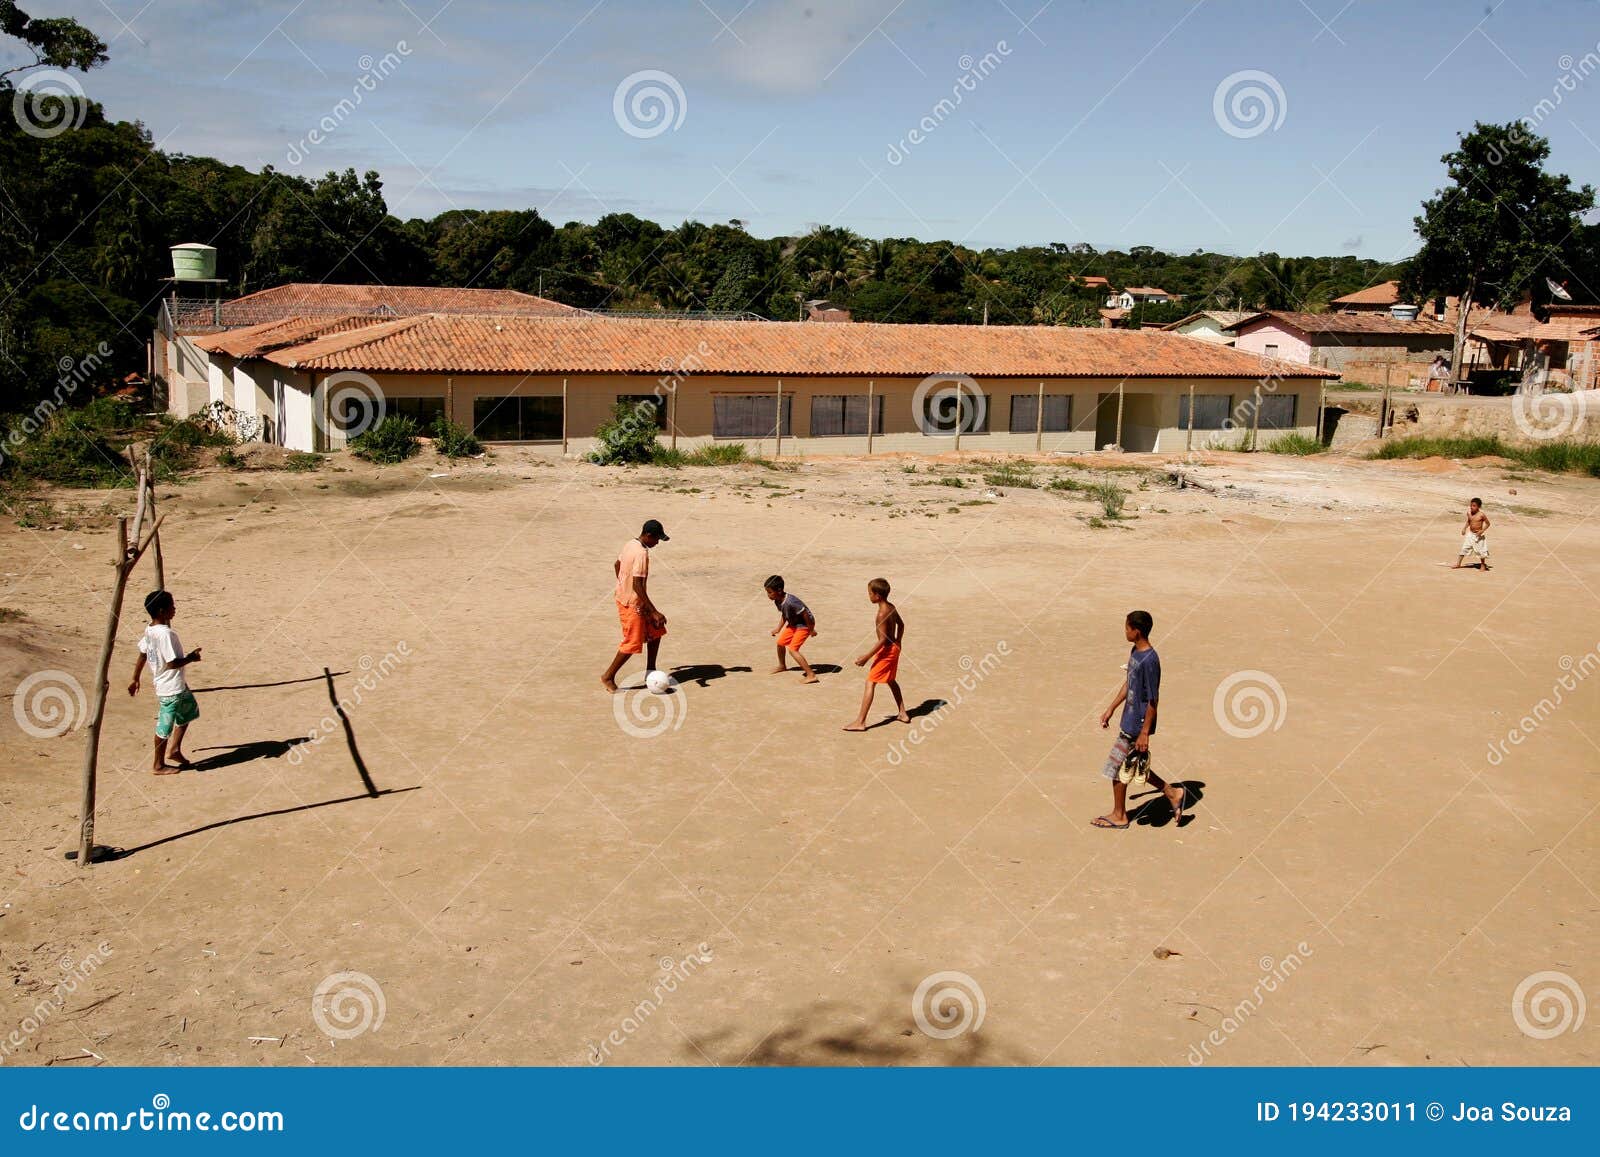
749	415
942	413
496	419
1277	412
422	411
844	414
1210	411
1025	413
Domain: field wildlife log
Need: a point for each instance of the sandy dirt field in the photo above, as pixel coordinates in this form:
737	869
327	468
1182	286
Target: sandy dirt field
1366	877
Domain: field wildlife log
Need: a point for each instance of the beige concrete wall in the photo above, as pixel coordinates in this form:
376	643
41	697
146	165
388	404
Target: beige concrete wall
1150	416
188	377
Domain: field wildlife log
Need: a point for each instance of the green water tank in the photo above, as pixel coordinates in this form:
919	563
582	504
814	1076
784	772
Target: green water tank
194	262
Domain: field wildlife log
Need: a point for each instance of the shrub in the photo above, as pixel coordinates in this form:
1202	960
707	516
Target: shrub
453	440
628	437
1299	444
108	414
1110	496
229	459
393	439
301	462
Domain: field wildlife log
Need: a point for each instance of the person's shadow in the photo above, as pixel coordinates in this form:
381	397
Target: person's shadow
245	753
926	707
701	674
1156	811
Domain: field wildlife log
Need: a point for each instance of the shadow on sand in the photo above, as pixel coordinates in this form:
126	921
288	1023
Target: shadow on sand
829	1035
1156	810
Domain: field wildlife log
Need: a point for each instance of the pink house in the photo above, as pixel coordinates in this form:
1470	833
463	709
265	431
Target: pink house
1362	346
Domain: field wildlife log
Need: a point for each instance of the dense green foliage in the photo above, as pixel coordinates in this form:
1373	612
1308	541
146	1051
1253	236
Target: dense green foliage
453	440
628	437
1504	228
393	439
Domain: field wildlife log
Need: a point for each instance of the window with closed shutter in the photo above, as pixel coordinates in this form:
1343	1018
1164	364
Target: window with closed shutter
1211	411
749	415
833	415
1025	413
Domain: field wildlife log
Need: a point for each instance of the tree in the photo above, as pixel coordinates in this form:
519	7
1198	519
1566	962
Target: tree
55	43
1500	222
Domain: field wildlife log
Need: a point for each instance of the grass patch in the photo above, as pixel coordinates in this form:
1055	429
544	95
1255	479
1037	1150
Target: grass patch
1482	446
301	463
953	481
1301	445
1556	457
11	615
712	454
1016	476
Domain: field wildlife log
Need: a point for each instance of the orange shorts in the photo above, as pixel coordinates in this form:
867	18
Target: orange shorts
793	637
886	665
635	631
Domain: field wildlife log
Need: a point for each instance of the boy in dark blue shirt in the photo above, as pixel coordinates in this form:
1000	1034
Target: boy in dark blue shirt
1130	755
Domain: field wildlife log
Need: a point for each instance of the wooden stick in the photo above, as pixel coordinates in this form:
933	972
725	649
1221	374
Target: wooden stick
1255	420
872	412
91	737
1038	422
672	413
1322	405
778	453
138	510
1188	441
563	417
1119	416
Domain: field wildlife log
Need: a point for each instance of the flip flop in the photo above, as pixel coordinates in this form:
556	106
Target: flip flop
1107	822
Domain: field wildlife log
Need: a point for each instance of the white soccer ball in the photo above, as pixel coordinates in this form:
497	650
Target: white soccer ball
658	682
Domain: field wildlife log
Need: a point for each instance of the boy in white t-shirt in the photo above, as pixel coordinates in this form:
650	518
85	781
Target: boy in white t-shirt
161	650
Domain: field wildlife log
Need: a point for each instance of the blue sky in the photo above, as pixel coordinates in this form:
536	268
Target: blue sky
1094	121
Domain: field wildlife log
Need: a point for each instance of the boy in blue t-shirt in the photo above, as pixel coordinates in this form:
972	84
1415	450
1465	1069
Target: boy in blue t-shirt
1130	755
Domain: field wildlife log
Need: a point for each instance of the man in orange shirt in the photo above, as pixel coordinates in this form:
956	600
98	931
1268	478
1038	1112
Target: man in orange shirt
642	624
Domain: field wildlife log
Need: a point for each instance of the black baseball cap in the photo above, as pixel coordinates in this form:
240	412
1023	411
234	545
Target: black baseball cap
654	527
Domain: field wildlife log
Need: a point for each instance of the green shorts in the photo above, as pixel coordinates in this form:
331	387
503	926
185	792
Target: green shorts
176	711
